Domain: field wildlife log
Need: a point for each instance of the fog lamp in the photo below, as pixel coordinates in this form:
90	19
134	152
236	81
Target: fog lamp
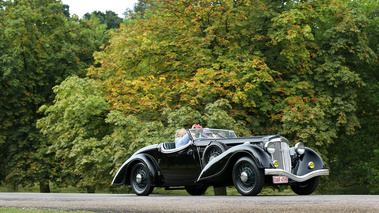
311	165
275	163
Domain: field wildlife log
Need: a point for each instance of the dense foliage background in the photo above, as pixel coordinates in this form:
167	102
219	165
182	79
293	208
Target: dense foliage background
79	96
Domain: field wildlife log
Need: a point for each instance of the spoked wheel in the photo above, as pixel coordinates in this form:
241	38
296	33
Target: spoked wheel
213	150
307	187
247	178
196	190
140	180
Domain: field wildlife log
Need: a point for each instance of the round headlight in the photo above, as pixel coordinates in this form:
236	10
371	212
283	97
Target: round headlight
270	147
300	148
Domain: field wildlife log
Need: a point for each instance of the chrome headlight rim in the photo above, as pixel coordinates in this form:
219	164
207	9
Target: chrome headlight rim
300	148
270	147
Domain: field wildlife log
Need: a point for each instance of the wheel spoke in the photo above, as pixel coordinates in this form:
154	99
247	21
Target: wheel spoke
213	153
250	181
140	174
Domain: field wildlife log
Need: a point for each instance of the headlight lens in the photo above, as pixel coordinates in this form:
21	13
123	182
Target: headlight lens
311	165
270	147
300	148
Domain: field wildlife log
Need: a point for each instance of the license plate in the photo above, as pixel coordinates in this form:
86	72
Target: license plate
279	179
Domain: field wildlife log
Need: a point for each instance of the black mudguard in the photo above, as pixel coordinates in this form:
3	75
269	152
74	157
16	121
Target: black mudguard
301	167
218	165
123	175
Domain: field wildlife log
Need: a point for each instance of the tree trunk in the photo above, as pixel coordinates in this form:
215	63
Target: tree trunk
44	187
219	190
90	189
13	188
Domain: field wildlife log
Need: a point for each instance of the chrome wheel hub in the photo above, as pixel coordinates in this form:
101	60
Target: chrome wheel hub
138	178
244	177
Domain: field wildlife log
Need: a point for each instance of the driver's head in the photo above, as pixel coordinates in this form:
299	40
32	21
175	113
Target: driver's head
180	133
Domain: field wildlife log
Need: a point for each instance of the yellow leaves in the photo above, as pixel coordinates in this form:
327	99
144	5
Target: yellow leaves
145	93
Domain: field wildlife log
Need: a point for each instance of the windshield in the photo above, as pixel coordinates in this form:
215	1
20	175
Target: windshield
212	133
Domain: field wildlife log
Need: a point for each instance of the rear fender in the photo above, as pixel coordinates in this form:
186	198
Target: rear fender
123	175
219	165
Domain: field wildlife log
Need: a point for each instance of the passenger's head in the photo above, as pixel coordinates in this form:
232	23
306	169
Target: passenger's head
180	133
208	134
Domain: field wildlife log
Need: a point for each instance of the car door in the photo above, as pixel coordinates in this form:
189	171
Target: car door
180	166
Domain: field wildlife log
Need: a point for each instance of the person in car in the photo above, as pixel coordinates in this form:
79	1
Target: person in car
181	136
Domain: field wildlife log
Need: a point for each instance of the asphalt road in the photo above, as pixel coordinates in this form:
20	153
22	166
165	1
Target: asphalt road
169	203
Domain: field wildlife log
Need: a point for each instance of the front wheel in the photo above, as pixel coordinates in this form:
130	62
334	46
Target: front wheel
307	187
140	180
247	177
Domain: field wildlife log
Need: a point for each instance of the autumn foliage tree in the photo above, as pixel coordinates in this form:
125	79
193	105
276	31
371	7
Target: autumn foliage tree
258	67
282	67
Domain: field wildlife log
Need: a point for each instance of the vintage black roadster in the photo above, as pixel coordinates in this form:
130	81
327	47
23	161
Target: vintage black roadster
215	157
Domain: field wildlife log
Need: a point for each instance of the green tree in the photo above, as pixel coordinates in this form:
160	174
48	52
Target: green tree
362	165
2	138
66	10
74	127
138	9
39	48
108	18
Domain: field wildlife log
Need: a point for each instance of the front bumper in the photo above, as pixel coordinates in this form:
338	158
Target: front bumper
296	178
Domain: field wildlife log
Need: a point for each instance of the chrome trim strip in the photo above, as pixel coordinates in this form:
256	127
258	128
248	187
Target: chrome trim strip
295	177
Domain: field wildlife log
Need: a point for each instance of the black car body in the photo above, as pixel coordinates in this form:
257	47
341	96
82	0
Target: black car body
222	159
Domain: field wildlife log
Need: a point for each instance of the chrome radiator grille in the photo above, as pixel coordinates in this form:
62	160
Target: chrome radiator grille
282	155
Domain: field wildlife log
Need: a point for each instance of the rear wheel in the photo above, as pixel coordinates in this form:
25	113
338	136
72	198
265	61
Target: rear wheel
307	187
140	180
247	178
196	190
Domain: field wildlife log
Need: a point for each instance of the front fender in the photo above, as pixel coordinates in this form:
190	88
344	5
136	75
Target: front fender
301	167
218	165
123	175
